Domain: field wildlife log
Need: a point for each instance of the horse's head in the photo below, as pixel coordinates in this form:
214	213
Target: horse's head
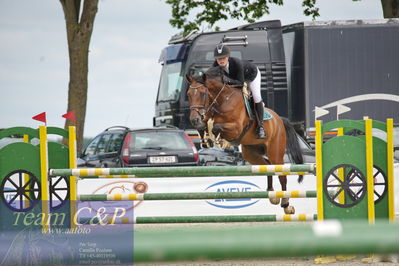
199	101
203	93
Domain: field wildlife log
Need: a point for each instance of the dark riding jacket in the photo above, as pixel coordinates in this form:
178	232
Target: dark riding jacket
240	70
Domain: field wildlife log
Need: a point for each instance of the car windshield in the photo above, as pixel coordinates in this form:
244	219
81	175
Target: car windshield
171	82
158	140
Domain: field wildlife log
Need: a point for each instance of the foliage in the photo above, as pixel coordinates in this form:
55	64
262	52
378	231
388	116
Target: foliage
211	11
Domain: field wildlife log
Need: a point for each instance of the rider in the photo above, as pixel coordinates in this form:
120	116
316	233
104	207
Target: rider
240	71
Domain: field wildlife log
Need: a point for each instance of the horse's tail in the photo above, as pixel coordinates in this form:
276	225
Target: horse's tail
293	149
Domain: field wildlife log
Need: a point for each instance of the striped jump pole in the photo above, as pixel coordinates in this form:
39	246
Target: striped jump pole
189	171
200	219
198	195
109	176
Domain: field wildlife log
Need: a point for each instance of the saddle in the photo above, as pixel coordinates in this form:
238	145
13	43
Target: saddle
250	105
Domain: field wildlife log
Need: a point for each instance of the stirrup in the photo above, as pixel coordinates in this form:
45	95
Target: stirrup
260	133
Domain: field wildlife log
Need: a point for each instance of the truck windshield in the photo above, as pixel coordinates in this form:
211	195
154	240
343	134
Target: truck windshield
171	81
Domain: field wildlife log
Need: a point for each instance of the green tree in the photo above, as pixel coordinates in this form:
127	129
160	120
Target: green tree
209	11
79	19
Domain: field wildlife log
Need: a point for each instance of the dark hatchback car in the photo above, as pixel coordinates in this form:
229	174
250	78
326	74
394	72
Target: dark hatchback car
123	147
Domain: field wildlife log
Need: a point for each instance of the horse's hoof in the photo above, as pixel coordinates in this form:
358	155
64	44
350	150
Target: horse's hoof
289	210
274	201
285	202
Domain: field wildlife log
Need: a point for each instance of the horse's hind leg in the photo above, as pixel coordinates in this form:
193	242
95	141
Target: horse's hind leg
273	201
288	209
276	155
254	154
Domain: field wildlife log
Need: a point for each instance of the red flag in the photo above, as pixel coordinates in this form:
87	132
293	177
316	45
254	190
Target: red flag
40	117
70	116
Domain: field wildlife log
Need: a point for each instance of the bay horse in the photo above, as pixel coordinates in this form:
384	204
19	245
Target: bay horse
210	97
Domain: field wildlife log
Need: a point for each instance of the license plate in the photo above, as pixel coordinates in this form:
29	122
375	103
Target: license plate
163	159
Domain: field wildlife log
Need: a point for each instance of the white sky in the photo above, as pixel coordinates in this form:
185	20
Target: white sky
123	71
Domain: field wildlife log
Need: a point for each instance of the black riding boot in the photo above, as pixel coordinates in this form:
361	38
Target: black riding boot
260	130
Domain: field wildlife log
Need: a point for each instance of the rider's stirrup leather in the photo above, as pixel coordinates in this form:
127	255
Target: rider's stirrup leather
260	130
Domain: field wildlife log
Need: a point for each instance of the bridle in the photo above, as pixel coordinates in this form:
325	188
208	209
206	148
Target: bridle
201	109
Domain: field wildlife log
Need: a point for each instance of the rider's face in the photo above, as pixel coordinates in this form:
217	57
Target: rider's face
222	61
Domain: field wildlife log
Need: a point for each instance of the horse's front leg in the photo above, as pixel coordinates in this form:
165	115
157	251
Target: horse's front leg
205	142
201	133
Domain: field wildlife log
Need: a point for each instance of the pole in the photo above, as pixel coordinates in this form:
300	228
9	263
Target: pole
198	195
185	171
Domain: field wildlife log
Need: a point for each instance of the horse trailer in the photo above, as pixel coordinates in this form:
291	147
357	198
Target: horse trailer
310	70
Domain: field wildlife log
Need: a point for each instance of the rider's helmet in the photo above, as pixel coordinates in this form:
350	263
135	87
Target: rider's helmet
221	50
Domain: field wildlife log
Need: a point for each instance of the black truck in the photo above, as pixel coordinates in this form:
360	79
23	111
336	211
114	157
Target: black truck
310	70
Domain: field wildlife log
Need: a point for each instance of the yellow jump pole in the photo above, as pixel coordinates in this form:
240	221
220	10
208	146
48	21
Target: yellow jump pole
341	176
26	177
390	182
369	171
319	170
72	179
44	184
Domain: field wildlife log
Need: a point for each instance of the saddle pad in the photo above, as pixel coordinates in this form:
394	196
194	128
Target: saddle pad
266	114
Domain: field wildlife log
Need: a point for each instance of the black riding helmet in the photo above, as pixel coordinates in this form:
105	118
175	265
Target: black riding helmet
221	50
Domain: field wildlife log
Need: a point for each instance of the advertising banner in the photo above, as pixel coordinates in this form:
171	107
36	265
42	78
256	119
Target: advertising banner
201	184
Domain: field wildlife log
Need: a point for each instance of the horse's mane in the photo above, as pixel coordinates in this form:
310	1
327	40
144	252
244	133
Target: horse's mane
199	79
218	74
214	72
211	73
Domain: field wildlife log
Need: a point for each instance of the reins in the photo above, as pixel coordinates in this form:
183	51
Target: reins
215	99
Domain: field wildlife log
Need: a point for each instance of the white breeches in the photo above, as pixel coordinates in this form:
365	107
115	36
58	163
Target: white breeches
255	88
